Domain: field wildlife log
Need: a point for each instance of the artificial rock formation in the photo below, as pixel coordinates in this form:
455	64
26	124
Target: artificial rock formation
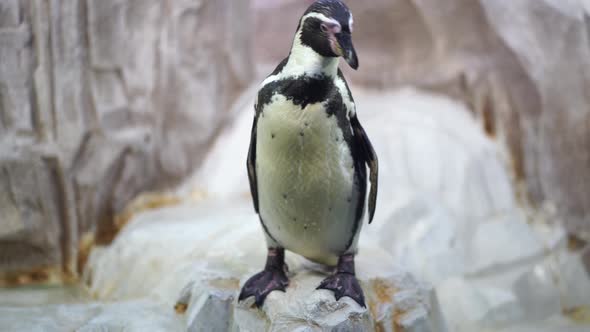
194	257
101	100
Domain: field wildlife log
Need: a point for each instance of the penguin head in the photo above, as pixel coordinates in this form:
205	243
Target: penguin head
326	27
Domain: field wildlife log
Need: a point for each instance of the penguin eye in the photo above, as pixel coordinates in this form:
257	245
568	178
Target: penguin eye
330	27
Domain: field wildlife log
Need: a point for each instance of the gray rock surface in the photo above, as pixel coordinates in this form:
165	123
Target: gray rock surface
195	257
129	316
522	66
99	101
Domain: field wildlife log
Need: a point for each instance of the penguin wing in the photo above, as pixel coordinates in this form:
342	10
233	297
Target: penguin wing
252	165
370	157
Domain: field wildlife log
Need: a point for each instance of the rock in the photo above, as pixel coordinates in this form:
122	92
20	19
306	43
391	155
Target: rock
132	316
99	101
303	307
470	308
433	148
423	237
586	258
529	289
222	173
573	281
538	292
552	324
195	258
557	284
41	296
499	244
210	304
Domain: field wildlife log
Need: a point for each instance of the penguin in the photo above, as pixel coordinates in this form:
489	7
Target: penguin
308	158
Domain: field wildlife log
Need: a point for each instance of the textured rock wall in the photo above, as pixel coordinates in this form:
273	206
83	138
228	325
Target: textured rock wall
100	100
523	66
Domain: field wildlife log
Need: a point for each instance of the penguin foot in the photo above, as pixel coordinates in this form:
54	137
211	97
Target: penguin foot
344	282
261	284
273	277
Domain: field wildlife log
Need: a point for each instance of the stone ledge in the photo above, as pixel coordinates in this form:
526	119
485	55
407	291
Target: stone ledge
195	258
211	305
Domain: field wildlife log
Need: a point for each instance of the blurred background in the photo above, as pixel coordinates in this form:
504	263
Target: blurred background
479	111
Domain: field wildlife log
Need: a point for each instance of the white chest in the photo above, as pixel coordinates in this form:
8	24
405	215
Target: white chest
306	176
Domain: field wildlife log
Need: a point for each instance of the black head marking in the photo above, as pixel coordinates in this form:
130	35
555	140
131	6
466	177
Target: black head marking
335	9
314	37
312	33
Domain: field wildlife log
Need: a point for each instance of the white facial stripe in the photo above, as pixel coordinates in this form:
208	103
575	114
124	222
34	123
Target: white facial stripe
323	18
303	60
350	22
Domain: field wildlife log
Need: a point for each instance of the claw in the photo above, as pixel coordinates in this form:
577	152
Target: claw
343	282
262	284
272	278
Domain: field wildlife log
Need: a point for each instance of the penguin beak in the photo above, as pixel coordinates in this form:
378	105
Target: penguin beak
347	50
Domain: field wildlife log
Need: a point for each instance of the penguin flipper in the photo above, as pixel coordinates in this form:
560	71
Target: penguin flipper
252	165
370	157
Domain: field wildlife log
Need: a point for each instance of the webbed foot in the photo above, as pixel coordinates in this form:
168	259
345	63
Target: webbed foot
344	282
273	277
